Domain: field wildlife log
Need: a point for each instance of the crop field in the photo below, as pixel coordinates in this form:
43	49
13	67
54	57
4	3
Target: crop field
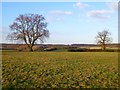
59	69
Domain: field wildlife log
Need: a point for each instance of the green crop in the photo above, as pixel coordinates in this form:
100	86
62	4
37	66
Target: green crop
59	70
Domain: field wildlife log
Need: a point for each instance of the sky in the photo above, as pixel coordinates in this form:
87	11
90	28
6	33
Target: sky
68	22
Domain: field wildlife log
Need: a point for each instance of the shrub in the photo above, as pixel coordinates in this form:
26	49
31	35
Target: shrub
38	48
77	49
22	48
50	49
94	50
112	50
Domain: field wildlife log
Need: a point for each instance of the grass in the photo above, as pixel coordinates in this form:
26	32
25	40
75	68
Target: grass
59	70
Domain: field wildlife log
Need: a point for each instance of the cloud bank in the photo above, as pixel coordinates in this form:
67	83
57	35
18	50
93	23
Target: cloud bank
113	6
81	5
99	14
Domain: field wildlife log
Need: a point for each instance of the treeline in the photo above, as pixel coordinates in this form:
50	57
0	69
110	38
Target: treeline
62	47
69	49
92	50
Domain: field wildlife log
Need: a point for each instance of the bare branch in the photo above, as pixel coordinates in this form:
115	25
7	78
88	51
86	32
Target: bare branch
103	38
30	28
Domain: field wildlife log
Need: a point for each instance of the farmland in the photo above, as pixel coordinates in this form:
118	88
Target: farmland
59	69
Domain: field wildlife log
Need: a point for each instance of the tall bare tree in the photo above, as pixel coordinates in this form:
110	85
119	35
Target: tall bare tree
30	28
103	38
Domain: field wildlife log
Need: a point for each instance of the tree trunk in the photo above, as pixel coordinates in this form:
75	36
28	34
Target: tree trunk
103	47
30	49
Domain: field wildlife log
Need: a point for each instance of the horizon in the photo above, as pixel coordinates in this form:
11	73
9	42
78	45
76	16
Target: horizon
82	20
61	43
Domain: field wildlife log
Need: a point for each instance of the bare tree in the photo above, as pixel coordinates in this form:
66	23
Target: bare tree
103	38
30	28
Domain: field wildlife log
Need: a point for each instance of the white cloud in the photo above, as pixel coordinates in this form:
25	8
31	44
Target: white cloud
113	5
56	17
58	12
99	14
81	5
51	18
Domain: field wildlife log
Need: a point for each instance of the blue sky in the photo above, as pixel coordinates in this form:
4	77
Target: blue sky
68	22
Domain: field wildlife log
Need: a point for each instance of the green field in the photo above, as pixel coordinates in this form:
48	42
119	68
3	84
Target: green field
59	69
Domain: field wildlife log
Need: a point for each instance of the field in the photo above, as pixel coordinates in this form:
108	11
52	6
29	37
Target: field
59	69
